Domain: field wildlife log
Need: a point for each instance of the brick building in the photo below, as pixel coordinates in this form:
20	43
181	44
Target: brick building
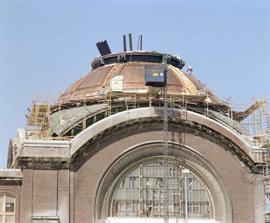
97	154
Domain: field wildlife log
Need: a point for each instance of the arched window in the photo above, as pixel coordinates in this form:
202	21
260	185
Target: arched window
140	193
7	208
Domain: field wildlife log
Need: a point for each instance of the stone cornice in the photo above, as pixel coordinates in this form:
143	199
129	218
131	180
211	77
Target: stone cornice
52	154
10	177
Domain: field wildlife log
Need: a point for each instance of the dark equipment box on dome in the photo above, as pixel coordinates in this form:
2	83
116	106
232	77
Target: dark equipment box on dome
155	75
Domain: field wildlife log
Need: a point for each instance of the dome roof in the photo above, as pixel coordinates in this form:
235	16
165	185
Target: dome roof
97	83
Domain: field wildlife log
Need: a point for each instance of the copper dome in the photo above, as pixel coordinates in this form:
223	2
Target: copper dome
131	68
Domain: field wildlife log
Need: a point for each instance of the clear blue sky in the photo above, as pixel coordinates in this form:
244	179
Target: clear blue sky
47	45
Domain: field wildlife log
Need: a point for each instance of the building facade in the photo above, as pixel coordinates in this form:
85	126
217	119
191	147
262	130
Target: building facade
97	155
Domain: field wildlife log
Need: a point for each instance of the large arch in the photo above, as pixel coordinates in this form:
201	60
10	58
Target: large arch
186	155
200	123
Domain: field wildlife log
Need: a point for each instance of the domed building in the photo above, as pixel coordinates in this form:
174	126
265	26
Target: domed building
137	139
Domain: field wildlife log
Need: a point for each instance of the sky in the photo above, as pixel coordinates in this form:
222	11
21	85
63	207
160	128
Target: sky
45	45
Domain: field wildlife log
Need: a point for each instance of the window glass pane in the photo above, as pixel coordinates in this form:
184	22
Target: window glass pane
9	207
10	204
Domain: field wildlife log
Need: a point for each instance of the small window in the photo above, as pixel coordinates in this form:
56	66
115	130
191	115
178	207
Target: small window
100	116
10	207
7	208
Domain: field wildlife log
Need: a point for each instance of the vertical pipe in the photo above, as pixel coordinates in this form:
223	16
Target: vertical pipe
130	41
124	43
57	192
141	42
186	200
165	151
138	45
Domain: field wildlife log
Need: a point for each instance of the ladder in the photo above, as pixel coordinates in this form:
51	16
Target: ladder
165	153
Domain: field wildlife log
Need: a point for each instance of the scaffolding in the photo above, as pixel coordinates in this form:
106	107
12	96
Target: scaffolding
109	83
266	181
38	117
41	114
257	122
165	153
183	190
